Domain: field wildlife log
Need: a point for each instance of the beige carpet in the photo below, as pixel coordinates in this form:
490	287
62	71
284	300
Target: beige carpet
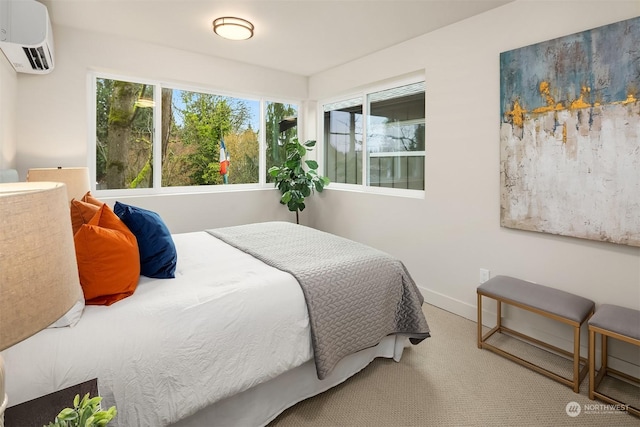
448	381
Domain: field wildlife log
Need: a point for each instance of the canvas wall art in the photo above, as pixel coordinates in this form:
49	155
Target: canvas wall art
570	135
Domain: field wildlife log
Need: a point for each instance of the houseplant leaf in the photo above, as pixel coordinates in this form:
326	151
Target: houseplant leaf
293	180
85	413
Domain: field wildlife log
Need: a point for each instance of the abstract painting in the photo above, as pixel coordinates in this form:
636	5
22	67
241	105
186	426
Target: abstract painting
570	135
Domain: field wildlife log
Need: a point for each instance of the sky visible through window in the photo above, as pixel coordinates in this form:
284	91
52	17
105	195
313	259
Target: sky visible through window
254	108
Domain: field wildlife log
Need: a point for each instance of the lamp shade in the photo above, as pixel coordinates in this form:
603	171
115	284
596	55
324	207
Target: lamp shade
76	179
38	270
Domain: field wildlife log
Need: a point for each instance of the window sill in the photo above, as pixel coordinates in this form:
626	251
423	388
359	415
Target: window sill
196	189
383	191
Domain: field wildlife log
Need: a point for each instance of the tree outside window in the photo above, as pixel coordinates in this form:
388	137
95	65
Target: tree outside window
192	126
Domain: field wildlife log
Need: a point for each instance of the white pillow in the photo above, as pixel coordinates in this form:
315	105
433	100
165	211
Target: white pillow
71	317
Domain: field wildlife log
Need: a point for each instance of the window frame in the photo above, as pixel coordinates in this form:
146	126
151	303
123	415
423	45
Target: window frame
362	94
157	188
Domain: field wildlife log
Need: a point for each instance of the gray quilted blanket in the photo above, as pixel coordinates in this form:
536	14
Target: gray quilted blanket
356	295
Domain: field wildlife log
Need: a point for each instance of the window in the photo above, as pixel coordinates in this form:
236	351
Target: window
343	141
393	121
150	135
282	122
124	134
202	132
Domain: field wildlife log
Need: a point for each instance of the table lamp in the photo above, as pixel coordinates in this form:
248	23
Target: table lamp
38	270
76	179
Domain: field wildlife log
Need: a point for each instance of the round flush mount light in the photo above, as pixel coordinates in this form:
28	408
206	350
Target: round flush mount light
233	28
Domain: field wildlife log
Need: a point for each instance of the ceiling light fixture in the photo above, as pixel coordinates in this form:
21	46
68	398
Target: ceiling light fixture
233	28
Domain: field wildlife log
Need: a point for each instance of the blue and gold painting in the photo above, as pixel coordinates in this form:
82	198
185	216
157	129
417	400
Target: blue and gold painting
570	135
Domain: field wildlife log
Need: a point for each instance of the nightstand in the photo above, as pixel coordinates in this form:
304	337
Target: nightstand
43	410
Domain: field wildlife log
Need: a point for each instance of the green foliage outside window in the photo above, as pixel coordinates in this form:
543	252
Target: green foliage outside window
276	136
192	126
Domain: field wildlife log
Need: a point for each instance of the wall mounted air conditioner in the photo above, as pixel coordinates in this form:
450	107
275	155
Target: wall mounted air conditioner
25	36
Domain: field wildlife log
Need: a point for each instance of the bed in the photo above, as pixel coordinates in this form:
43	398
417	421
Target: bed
239	335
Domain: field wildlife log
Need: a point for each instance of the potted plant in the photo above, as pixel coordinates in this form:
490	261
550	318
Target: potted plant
85	413
294	182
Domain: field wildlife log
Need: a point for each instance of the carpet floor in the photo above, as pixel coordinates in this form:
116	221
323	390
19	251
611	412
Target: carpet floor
447	381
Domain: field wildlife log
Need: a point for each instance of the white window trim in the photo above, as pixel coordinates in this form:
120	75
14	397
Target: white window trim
362	94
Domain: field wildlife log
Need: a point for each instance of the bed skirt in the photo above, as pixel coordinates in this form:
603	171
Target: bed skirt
261	404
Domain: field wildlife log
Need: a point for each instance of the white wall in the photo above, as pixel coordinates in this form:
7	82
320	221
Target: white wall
8	98
53	116
445	238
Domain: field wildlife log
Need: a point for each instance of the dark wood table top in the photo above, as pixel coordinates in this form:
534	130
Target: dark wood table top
43	410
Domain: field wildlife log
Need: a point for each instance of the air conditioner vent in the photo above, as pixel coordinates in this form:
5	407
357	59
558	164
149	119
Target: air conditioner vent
37	58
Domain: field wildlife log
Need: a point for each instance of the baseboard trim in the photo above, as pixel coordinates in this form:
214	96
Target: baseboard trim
451	305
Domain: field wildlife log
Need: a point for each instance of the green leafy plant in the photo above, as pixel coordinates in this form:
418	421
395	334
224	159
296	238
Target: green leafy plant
294	182
85	413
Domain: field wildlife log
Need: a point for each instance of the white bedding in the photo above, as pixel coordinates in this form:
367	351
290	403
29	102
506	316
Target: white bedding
173	347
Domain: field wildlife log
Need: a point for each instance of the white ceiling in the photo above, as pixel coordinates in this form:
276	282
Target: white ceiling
299	36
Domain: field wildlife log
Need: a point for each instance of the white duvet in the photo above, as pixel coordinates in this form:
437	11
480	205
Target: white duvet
226	323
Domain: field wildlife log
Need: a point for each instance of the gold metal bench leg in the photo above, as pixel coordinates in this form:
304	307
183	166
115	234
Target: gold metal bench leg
576	359
592	362
596	378
479	321
604	357
578	373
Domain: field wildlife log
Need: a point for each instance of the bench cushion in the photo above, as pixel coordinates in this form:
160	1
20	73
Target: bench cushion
551	300
621	320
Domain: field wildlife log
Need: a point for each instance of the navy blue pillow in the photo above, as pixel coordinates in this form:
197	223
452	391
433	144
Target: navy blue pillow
158	256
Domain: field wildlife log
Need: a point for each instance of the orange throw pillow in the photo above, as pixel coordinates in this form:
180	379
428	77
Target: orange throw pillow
88	198
83	210
81	213
108	258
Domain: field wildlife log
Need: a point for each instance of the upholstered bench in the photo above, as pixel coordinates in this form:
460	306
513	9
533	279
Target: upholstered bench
552	303
620	323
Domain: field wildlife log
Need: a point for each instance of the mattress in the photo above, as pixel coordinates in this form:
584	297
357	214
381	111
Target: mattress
225	324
